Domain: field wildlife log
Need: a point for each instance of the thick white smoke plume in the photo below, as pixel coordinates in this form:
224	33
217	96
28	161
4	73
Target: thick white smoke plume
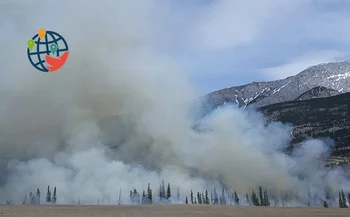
51	131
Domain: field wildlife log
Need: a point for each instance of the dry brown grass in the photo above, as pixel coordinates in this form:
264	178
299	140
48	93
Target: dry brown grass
168	211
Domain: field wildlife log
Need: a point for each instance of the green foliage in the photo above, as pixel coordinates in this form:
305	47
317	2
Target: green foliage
168	192
261	196
54	197
255	200
325	204
192	197
236	198
206	197
48	195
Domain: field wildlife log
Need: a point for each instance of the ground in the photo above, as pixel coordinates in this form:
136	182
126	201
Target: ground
168	211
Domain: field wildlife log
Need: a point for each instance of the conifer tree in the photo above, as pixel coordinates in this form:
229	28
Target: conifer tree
168	192
192	197
247	198
134	196
340	201
236	198
143	197
186	201
162	191
48	195
343	199
195	201
325	204
38	196
222	197
32	198
54	197
255	200
198	198
206	197
149	195
203	198
216	199
266	199
349	197
178	194
24	200
261	196
131	199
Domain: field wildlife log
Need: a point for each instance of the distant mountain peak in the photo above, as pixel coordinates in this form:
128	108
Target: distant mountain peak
334	76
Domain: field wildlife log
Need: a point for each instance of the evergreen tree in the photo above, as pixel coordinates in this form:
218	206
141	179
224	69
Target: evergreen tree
38	196
247	198
216	199
255	200
143	197
222	197
25	200
198	198
266	199
195	201
349	198
162	191
168	192
325	204
178	194
343	199
327	193
186	201
309	197
131	199
54	197
206	197
134	196
236	198
261	196
149	195
191	197
340	201
48	195
203	199
32	198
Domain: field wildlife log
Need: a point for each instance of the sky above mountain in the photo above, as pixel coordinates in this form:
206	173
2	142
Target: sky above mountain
225	43
219	43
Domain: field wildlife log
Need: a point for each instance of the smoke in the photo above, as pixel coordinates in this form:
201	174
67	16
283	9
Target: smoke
57	128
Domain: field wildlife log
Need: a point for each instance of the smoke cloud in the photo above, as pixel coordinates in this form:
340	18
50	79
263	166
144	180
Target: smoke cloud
60	128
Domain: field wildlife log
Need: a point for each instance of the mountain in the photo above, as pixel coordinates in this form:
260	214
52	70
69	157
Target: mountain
318	92
334	76
316	118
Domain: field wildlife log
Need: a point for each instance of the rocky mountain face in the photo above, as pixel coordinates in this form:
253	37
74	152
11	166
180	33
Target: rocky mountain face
334	76
316	102
316	118
318	92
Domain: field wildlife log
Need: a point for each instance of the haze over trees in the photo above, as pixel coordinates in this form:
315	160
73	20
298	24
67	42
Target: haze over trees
256	197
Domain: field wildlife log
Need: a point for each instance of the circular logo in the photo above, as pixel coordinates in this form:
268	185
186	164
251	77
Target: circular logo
47	51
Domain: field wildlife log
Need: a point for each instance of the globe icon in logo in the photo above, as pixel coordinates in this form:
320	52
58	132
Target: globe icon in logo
47	51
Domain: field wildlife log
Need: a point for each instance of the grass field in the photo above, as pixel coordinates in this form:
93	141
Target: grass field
168	211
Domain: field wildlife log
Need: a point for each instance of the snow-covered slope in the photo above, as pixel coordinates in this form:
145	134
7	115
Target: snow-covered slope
334	75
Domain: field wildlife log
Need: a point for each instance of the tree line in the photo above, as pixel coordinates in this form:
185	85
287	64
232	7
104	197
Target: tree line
51	198
257	197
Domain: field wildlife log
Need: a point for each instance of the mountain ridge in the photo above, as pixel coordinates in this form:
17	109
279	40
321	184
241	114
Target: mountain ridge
333	75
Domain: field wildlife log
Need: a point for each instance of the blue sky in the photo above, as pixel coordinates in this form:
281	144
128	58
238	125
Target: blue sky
220	43
224	43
